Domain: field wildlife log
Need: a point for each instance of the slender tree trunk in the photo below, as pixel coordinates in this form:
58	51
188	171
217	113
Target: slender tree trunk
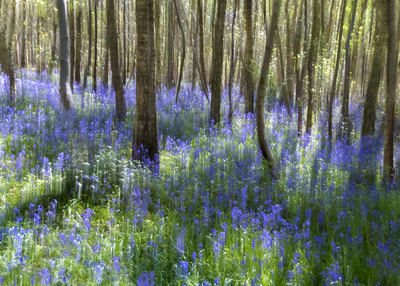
311	64
78	44
94	72
23	36
232	67
32	57
345	127
145	138
330	23
54	45
218	57
262	141
65	89
170	72
248	58
391	80
89	61
335	74
378	59
6	57
72	43
299	73
116	76
195	28
283	97
289	54
201	43
106	59
183	52
212	30
38	48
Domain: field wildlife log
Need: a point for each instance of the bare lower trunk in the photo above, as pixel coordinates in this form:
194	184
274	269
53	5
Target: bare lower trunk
94	72
183	52
65	89
218	57
391	79
145	138
335	74
262	141
232	67
248	58
116	76
78	45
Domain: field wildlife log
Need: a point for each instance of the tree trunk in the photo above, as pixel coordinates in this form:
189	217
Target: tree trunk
335	74
345	127
262	141
312	60
94	72
72	43
170	72
232	67
218	57
289	54
6	58
201	44
116	76
183	52
23	44
54	45
65	89
38	48
157	18
89	61
378	59
124	57
300	73
145	138
106	60
248	58
195	28
391	80
78	44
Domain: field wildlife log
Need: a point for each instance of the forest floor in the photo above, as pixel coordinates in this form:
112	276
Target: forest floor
75	210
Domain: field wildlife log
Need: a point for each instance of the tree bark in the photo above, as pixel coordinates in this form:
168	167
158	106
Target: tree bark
345	127
23	44
218	57
124	45
65	88
89	61
232	67
391	85
289	54
94	72
248	58
54	45
313	56
145	138
335	74
72	43
183	52
201	44
116	76
170	72
378	59
157	11
262	141
78	44
6	57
